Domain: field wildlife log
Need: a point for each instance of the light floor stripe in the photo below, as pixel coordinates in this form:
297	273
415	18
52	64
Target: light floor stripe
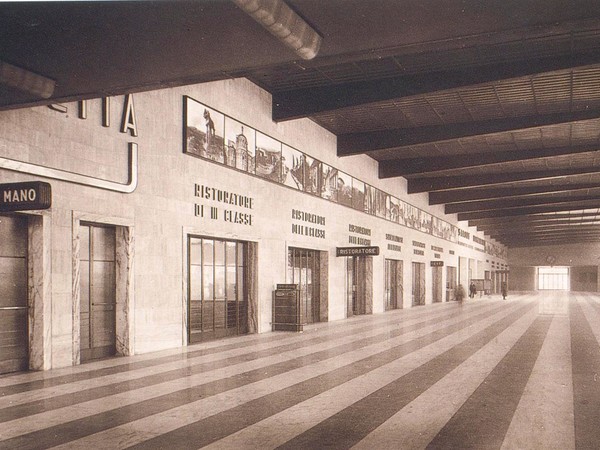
351	425
144	408
238	403
326	370
77	392
278	429
373	335
585	357
417	424
482	421
544	417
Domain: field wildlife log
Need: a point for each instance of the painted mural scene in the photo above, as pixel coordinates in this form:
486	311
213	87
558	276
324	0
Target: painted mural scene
298	224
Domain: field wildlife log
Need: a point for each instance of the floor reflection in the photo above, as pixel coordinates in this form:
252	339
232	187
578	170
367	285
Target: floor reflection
554	303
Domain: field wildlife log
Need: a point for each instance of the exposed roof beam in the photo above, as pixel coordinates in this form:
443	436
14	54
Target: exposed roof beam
545	235
294	104
547	242
525	225
587	229
527	241
412	166
370	141
532	218
466	194
427	184
485	205
528	210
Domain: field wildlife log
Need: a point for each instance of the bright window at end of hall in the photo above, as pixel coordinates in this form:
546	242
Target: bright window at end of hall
553	278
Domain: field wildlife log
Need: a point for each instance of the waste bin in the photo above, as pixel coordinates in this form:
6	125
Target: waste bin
287	310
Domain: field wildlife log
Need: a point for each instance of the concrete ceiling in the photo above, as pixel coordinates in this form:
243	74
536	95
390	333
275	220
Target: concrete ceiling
493	107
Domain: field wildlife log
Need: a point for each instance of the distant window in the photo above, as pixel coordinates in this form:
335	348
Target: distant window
553	278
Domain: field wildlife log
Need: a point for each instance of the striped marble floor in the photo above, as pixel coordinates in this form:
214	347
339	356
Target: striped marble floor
515	374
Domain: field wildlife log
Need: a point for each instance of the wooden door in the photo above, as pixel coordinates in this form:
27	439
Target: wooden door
14	334
98	292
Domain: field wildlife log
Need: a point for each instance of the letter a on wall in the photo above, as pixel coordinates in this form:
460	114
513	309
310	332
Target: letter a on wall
129	122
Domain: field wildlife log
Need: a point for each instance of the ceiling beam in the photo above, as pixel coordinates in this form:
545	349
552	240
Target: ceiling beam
500	203
305	102
551	240
548	237
532	218
512	212
574	230
466	194
428	184
413	166
520	243
525	225
370	141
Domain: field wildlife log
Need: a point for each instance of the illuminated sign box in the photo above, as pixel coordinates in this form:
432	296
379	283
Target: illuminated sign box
357	251
25	196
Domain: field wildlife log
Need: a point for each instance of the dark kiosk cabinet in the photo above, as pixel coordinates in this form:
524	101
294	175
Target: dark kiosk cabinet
287	310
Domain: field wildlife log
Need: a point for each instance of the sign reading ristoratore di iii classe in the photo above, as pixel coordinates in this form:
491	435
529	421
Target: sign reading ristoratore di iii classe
25	196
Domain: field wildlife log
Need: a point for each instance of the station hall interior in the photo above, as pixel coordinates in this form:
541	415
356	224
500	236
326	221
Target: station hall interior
300	224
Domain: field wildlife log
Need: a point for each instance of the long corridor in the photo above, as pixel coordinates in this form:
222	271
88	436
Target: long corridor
491	373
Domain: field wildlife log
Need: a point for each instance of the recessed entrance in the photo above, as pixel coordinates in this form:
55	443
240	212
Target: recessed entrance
450	283
303	270
418	283
14	312
218	292
98	291
393	284
359	285
436	284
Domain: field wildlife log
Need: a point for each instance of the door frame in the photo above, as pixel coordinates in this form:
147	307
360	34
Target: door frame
362	289
39	287
251	279
125	293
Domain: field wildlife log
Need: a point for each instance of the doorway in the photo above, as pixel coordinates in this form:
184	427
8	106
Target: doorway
98	291
359	285
451	281
304	270
393	284
14	311
218	292
436	284
418	283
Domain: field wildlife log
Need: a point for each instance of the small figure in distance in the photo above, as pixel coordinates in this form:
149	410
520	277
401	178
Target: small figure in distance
504	290
472	290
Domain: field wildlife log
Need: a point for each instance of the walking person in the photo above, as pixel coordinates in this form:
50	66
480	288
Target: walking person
504	290
459	293
472	290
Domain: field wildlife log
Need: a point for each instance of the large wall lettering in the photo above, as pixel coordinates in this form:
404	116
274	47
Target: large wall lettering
128	125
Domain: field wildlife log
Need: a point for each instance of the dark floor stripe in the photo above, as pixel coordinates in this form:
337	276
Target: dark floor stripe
585	360
77	429
29	386
354	423
220	425
128	367
483	420
84	395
